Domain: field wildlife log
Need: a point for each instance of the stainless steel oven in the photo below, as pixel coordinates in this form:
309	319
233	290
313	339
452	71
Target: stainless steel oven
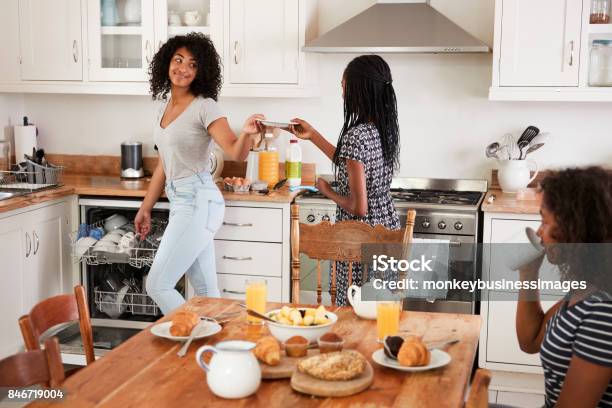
446	210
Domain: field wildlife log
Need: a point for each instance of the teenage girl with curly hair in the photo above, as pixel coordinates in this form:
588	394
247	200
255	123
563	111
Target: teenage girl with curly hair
188	70
574	337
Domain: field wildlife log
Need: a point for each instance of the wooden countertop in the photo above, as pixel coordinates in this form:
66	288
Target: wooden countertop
507	203
115	187
145	370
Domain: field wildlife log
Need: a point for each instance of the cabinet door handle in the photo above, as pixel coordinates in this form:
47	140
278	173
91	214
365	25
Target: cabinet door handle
147	52
571	59
236	52
455	243
234	292
238	258
29	244
36	242
75	51
237	224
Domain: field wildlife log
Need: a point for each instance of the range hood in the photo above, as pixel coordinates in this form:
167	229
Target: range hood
392	27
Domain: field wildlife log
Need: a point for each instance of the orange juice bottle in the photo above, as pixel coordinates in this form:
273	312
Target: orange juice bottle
387	319
256	293
268	162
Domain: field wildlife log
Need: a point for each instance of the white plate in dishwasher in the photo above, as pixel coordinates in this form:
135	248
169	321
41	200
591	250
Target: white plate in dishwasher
204	329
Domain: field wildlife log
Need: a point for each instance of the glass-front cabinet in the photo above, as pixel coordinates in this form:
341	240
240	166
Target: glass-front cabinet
125	34
121	39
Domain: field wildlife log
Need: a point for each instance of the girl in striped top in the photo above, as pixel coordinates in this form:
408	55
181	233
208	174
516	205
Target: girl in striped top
574	337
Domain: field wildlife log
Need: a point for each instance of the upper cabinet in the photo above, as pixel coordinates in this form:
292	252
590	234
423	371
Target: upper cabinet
265	53
50	40
543	51
106	46
121	39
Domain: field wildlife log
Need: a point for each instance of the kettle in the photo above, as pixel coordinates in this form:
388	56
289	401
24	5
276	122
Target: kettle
131	160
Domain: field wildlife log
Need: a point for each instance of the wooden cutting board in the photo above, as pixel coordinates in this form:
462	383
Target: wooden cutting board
285	368
308	384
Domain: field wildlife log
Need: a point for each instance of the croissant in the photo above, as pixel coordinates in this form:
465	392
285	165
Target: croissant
413	353
267	350
183	322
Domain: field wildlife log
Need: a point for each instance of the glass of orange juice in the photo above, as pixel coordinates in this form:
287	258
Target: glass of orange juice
256	292
387	318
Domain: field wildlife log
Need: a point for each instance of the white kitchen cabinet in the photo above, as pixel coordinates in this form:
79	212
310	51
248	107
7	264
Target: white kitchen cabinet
36	259
264	41
540	43
541	51
11	284
51	46
121	46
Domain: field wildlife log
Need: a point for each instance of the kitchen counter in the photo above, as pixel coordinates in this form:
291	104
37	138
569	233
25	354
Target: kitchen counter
112	186
507	203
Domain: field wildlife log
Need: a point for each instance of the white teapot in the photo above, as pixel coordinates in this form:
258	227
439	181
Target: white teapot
233	371
365	309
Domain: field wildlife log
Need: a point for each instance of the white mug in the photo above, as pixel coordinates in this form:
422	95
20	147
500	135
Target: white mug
366	309
191	18
524	254
174	19
233	371
514	175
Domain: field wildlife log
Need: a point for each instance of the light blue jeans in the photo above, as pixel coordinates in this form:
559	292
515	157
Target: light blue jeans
187	247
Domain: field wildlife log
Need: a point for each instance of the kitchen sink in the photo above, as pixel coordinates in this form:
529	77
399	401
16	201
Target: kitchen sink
5	195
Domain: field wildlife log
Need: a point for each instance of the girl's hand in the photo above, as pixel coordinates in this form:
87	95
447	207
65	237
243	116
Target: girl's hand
252	126
531	270
303	129
142	223
323	186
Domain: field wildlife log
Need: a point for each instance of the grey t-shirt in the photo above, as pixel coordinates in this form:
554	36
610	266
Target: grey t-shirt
184	145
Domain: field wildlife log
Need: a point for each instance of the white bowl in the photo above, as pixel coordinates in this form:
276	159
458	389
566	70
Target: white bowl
111	237
105	246
114	222
282	332
83	244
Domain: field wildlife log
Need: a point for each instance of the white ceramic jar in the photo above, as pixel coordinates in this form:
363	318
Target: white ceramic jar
600	68
514	175
233	371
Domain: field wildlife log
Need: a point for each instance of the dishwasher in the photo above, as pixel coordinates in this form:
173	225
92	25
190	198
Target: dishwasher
114	276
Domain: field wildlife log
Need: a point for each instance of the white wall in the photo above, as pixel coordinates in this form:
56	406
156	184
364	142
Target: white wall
445	117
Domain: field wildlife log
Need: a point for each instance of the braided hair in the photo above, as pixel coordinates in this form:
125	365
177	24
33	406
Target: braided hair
369	98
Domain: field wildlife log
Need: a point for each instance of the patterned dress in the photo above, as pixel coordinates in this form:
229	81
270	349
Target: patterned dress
362	143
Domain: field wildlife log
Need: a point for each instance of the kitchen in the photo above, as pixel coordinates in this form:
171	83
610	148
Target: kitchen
446	117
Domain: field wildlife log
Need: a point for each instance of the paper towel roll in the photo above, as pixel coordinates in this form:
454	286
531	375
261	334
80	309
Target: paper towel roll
25	140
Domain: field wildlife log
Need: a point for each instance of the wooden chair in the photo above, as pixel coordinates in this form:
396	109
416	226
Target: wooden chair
33	367
478	396
337	242
57	310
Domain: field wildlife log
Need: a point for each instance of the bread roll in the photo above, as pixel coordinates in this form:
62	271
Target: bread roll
413	353
183	322
267	350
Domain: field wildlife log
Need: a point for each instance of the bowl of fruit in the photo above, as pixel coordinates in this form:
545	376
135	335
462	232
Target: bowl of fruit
237	184
307	322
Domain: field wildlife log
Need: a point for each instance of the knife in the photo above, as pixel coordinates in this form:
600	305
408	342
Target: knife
183	350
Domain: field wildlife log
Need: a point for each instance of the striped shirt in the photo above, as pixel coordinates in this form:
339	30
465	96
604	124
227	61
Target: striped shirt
583	329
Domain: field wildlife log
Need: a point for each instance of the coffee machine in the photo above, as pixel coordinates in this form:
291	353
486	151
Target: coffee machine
131	160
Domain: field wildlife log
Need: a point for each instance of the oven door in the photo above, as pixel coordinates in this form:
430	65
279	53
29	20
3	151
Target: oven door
463	266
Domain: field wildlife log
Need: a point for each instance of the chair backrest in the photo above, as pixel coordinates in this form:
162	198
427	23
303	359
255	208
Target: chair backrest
478	396
337	242
33	367
57	310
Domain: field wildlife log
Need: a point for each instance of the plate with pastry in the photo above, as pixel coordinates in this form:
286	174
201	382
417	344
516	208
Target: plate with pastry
409	354
179	328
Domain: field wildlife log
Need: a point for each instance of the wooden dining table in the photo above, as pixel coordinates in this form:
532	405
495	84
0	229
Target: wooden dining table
145	371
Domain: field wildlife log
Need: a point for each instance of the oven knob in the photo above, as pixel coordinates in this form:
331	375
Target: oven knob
310	218
425	223
442	225
325	218
458	226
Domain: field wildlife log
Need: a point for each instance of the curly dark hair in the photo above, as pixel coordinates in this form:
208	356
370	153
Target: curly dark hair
369	97
580	200
209	78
